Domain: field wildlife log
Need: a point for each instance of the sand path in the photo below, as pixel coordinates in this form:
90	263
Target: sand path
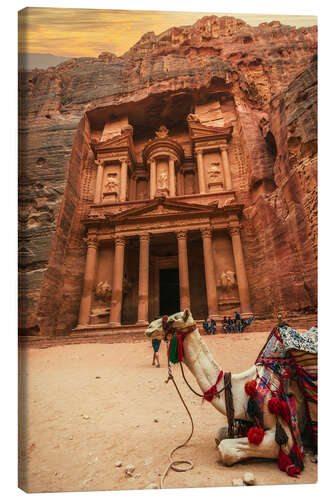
88	406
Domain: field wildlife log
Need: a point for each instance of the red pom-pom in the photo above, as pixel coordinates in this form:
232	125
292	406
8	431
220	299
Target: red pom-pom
255	435
284	411
251	388
274	406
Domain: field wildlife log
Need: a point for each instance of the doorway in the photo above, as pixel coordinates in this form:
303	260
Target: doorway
169	291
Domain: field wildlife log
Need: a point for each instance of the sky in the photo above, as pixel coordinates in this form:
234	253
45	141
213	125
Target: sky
88	32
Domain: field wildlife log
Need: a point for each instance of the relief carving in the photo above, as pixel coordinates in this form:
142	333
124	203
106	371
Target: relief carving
228	283
111	186
193	118
103	291
228	280
163	181
162	132
214	170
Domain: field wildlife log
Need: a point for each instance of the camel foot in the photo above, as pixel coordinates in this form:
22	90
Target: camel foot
238	449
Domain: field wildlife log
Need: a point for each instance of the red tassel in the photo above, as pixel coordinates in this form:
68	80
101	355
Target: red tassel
286	465
251	388
284	411
255	435
208	395
274	406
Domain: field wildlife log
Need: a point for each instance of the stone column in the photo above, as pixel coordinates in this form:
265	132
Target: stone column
172	184
123	179
242	282
184	285
132	188
201	174
206	234
180	182
99	180
117	281
143	280
152	181
88	281
226	167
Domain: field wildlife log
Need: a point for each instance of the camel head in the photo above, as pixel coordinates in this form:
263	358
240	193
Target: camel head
155	329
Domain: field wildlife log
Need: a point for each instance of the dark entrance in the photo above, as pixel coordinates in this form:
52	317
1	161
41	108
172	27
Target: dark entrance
169	291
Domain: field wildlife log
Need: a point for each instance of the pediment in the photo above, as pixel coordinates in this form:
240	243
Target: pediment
198	131
115	142
159	208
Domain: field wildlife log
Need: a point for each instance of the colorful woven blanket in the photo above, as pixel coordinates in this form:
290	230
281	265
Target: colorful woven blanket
289	356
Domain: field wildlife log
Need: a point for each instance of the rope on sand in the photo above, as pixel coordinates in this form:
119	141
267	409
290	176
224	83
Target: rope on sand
176	464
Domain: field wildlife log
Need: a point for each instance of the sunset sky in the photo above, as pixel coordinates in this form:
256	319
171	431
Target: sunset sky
88	32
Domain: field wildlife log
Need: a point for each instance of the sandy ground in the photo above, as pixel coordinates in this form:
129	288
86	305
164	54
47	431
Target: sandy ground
87	406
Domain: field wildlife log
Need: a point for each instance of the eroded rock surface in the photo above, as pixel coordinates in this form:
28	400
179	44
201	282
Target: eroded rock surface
270	72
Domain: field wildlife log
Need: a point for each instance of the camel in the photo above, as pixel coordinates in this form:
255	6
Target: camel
205	369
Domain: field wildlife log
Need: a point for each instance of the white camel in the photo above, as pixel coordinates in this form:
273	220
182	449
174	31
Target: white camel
205	369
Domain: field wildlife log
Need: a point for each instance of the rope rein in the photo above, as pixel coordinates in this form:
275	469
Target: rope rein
175	464
197	393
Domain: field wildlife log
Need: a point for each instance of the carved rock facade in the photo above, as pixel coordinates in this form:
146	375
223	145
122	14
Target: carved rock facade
191	156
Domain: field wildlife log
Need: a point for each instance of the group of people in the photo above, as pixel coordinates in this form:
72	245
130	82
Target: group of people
229	325
210	328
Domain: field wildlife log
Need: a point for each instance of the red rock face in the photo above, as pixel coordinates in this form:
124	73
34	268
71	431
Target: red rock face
268	77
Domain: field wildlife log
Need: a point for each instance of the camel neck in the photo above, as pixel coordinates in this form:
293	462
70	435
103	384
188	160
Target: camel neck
205	369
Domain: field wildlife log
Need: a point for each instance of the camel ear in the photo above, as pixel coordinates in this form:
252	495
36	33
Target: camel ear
186	315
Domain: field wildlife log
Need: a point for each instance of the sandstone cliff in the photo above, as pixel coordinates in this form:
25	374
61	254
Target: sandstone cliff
271	72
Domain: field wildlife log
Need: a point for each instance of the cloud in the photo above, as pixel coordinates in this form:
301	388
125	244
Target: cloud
87	32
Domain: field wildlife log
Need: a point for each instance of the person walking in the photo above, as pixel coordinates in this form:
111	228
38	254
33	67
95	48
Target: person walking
156	346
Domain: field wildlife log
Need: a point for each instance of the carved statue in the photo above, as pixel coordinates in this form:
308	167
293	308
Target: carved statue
163	181
103	291
162	132
214	170
112	184
193	118
228	280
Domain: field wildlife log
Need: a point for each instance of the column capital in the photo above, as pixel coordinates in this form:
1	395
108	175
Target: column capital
223	147
181	235
144	237
119	240
206	232
99	163
91	241
123	159
198	151
233	230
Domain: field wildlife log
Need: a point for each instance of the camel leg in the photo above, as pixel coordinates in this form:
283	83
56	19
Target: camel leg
221	433
235	450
